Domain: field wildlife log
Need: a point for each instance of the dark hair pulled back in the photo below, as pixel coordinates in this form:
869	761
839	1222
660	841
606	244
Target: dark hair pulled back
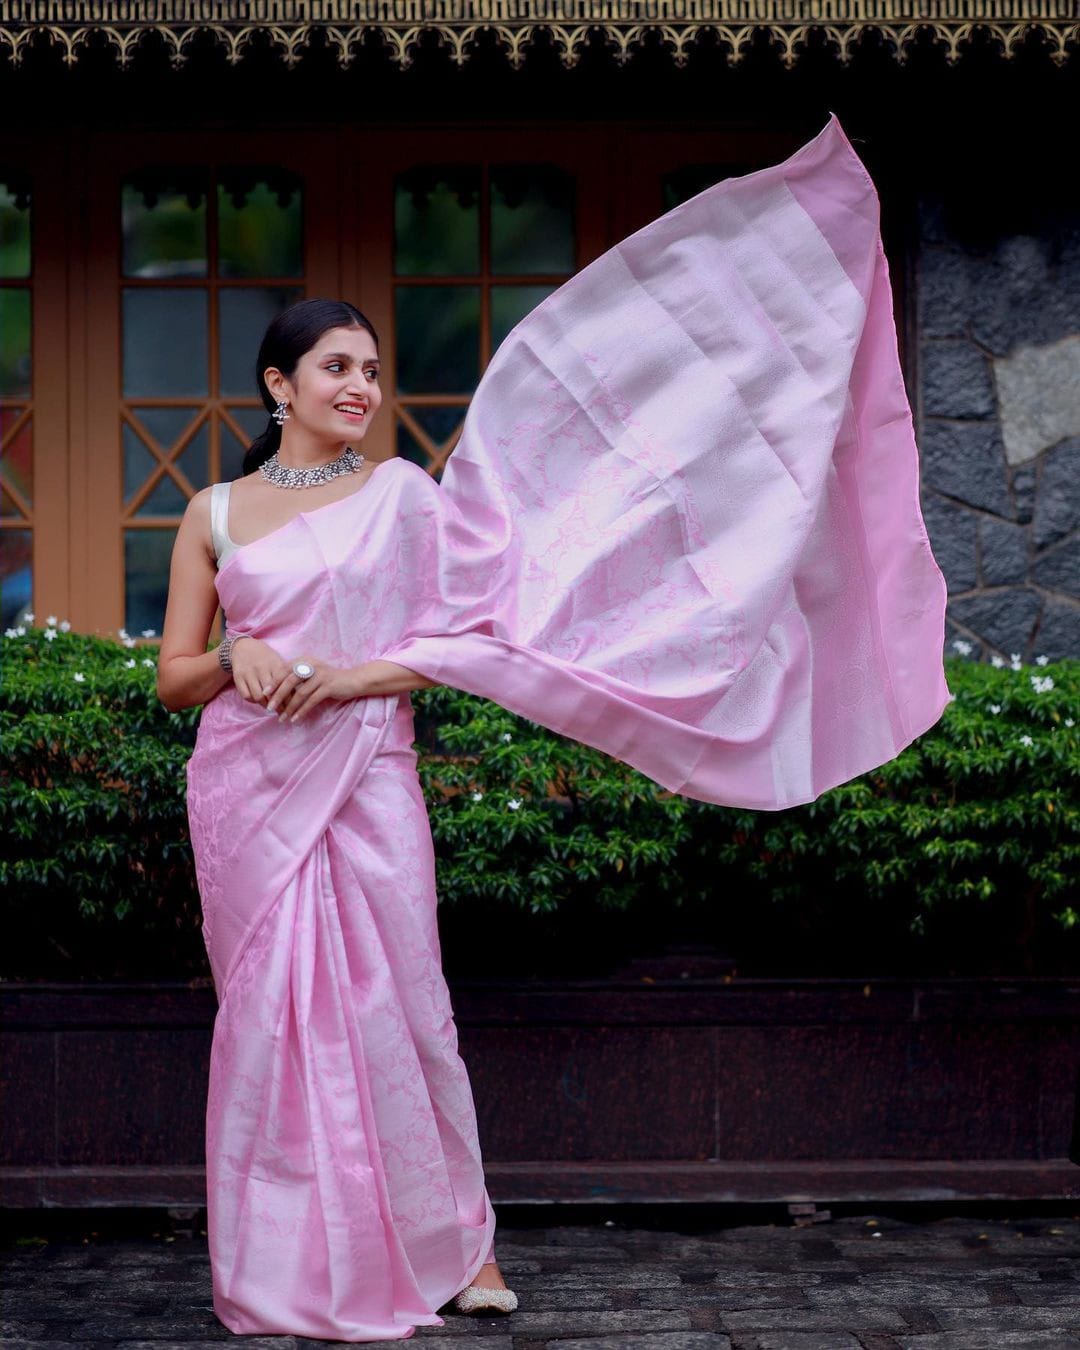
291	333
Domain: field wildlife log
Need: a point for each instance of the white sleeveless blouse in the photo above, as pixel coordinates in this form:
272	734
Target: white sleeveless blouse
224	544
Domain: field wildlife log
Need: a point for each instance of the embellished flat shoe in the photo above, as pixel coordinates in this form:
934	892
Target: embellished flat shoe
477	1300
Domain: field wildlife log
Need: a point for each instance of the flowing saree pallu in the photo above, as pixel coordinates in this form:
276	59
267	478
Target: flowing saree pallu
682	525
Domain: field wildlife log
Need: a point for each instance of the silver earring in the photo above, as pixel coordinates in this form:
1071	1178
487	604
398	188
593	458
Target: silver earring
279	414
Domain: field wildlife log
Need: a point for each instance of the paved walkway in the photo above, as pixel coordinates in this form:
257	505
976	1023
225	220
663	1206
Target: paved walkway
872	1281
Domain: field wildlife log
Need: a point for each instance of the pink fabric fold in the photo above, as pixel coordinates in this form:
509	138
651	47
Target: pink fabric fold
682	522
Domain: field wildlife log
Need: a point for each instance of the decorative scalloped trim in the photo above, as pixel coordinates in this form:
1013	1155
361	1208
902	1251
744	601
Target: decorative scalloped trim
786	25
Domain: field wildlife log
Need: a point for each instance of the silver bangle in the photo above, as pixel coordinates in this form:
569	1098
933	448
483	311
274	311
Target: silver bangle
224	650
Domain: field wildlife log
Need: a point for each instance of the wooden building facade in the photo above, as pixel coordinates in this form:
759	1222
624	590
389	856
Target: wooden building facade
171	174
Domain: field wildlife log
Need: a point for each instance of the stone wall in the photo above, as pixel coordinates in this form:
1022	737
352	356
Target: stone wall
998	415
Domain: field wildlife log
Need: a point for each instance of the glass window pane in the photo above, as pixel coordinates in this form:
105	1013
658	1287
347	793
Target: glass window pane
14	227
232	455
510	304
532	219
163	221
439	424
147	554
165	344
16	575
166	499
408	447
438	339
18	460
437	221
194	460
166	425
233	449
260	223
243	314
139	463
15	342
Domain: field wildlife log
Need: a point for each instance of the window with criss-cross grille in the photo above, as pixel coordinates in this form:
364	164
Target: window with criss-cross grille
208	258
16	401
476	247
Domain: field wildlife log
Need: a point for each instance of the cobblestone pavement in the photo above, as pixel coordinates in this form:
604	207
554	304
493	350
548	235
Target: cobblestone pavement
857	1281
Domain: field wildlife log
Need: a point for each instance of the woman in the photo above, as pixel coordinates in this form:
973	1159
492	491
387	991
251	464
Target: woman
681	525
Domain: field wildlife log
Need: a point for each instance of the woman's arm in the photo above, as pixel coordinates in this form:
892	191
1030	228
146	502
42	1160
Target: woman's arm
387	677
187	673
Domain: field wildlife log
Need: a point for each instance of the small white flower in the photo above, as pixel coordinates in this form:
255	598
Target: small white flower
1069	722
21	630
963	647
148	662
1041	683
995	708
506	736
51	620
129	642
1026	740
149	632
65	626
50	634
1041	660
11	632
29	618
477	796
123	632
514	803
130	665
997	661
78	677
1015	665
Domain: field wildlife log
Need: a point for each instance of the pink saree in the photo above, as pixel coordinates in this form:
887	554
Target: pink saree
682	525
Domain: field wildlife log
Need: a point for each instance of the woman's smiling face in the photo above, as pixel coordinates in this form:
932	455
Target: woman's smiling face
334	392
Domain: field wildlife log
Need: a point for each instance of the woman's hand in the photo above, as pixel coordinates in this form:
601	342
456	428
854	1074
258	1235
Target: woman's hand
293	698
256	668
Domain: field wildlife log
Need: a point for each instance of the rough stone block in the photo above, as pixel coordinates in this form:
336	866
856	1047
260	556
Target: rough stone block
1059	569
966	460
1057	511
943	292
1016	300
1004	619
952	532
1039	395
1003	552
662	1340
1058	635
806	1340
956	381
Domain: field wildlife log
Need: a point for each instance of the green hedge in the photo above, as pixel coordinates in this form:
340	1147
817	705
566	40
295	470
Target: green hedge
967	843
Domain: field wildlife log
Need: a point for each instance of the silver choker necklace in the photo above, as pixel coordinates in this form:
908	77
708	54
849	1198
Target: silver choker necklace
277	473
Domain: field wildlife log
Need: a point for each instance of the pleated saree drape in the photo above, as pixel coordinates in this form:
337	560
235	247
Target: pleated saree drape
682	525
